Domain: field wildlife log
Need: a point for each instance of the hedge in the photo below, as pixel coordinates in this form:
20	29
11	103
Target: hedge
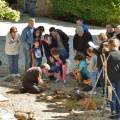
92	11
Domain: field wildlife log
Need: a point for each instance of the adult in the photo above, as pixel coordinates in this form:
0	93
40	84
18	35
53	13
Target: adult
80	41
42	29
12	50
49	43
109	30
25	6
117	32
32	5
79	22
32	78
61	37
27	41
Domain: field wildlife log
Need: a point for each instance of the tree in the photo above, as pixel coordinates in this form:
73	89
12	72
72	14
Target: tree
7	12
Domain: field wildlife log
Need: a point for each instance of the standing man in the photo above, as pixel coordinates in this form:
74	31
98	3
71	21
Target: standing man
27	41
25	6
32	78
61	37
109	30
32	6
80	41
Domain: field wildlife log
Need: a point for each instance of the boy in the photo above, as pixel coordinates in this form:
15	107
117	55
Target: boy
36	54
80	71
92	68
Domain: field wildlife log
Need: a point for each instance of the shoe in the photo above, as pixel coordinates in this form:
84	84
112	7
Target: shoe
91	92
14	75
57	81
22	90
18	75
65	81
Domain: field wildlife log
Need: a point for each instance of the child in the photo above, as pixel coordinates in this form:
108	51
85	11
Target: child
92	68
36	54
80	71
60	61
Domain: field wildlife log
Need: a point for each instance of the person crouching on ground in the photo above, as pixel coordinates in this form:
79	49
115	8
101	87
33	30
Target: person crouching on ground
59	61
32	78
80	71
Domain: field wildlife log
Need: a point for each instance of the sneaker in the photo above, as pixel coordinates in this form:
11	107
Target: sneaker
57	81
65	81
91	92
18	75
14	75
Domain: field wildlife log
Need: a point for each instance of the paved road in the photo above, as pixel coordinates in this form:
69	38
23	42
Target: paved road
67	27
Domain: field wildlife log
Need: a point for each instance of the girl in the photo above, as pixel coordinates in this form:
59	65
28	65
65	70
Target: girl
12	50
60	61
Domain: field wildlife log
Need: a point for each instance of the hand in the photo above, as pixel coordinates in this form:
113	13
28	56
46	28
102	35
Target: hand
51	59
75	51
48	87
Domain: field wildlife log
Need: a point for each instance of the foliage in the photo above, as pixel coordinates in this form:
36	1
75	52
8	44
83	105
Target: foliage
7	12
92	11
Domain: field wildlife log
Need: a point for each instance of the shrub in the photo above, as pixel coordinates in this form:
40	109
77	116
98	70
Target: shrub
92	11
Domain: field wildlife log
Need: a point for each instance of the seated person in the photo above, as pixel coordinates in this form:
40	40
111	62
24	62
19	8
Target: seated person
80	71
32	78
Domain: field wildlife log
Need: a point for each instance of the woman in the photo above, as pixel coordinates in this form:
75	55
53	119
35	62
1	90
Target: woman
12	50
113	71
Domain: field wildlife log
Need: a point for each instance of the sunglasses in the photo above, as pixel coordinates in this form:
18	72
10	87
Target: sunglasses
15	31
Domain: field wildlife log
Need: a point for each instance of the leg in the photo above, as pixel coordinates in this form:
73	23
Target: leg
27	58
25	6
10	59
31	88
16	7
79	77
58	74
64	71
32	5
16	63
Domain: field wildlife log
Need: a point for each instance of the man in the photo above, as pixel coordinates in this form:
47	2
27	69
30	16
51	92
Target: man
79	22
32	78
27	41
25	6
61	37
109	30
32	5
117	32
80	41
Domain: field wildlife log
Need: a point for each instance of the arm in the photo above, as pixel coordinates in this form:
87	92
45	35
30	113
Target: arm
74	41
62	59
32	59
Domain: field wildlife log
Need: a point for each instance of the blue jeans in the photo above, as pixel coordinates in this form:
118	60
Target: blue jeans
115	106
37	63
13	63
64	53
93	78
25	6
32	5
27	58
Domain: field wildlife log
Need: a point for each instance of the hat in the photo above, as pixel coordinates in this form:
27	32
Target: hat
41	28
79	30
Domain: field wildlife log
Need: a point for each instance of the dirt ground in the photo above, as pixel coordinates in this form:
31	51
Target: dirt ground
44	109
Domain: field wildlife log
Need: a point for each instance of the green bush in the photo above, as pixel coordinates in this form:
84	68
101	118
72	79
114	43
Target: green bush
7	12
92	11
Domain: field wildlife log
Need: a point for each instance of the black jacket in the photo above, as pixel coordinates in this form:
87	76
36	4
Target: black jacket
47	47
81	43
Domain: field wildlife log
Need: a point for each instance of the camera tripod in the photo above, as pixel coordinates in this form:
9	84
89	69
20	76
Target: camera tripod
106	82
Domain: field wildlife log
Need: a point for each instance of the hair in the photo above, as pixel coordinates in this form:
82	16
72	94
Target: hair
34	33
79	19
79	30
54	51
45	65
118	27
78	57
90	50
41	28
12	29
31	19
52	29
34	41
46	35
102	37
113	43
110	24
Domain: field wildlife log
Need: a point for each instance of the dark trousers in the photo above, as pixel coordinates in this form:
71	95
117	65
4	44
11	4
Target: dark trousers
31	87
115	106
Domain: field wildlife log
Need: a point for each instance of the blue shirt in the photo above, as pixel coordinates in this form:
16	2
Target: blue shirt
85	27
37	53
82	65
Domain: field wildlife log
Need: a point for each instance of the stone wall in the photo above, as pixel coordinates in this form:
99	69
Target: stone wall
43	7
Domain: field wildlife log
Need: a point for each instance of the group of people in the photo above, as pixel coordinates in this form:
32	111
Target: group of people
87	59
